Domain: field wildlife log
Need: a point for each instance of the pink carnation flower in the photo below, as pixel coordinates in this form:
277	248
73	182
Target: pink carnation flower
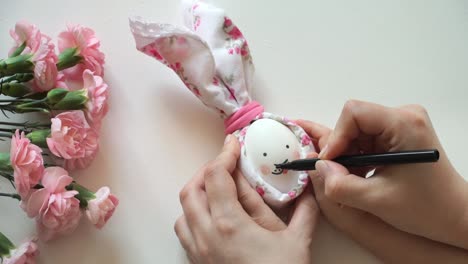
28	165
57	211
44	57
45	74
96	106
69	132
101	208
91	147
26	253
87	44
28	34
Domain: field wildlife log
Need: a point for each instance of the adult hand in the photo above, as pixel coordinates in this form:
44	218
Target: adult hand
225	220
351	203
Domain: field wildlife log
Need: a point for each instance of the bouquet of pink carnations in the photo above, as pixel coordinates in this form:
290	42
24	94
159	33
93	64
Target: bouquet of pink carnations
70	96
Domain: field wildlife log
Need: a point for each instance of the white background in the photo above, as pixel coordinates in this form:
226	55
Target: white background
310	56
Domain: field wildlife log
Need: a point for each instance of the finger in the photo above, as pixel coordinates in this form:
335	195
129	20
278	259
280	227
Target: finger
195	204
184	234
305	217
254	205
356	118
343	187
219	184
229	155
316	131
343	217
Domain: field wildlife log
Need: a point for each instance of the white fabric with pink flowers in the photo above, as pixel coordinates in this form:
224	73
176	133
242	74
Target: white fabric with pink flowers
212	58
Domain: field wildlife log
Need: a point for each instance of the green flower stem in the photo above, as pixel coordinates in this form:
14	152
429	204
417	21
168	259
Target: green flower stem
27	106
7	176
11	195
55	99
9	130
84	195
25	124
17	100
6	135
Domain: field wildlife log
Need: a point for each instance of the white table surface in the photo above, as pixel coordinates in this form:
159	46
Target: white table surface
310	56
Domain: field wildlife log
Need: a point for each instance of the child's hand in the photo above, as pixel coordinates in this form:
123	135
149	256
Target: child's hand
429	200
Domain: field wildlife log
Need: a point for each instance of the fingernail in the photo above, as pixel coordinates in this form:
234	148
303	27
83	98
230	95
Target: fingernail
322	168
228	139
323	152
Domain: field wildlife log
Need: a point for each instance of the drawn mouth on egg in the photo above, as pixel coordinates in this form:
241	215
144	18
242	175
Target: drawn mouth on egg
279	171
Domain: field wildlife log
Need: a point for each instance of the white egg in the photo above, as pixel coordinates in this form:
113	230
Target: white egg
268	142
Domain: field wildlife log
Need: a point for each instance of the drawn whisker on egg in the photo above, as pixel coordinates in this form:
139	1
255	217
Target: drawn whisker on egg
279	171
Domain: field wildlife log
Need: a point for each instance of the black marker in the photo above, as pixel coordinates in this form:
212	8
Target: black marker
401	157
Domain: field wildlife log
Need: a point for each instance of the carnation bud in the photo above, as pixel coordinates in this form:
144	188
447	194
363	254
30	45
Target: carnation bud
15	89
68	58
18	50
39	137
20	63
54	96
73	100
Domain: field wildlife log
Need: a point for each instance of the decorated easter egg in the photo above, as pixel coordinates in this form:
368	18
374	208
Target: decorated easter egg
270	141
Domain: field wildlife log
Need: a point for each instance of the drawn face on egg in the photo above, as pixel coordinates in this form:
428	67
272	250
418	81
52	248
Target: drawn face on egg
268	142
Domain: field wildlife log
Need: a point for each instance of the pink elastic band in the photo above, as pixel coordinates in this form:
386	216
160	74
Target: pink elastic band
242	117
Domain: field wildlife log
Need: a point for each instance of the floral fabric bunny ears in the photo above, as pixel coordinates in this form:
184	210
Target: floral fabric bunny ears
212	58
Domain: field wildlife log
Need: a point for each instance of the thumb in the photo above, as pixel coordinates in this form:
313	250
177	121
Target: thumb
305	216
345	188
254	205
229	154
